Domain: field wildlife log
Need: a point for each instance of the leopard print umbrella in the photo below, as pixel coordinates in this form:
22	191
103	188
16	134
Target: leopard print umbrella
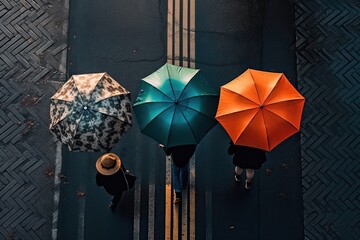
90	112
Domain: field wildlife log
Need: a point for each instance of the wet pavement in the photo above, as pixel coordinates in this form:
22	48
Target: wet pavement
129	41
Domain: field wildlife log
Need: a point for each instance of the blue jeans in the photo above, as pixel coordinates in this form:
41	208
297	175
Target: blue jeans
180	177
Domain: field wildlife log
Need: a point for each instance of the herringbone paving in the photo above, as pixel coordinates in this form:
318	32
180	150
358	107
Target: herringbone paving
32	62
329	77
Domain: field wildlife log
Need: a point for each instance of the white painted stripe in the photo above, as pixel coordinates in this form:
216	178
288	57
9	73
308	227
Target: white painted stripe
185	34
170	42
81	220
57	181
151	214
208	211
137	199
184	215
192	198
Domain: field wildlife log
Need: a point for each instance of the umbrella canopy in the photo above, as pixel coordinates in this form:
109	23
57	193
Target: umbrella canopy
90	112
176	106
260	109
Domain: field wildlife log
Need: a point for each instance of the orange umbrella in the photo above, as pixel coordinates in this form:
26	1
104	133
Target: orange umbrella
260	109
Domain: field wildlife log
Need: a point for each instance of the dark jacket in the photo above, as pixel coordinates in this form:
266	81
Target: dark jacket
181	154
113	184
247	157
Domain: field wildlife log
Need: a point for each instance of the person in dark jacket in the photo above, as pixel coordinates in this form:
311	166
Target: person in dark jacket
111	175
246	158
180	156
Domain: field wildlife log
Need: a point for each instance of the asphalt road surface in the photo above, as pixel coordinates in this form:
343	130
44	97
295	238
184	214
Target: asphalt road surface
129	40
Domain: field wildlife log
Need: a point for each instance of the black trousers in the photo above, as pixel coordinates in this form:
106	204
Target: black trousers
116	198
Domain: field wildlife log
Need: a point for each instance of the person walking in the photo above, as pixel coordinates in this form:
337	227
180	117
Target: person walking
111	175
247	158
180	156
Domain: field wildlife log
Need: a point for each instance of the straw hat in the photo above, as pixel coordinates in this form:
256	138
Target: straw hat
108	164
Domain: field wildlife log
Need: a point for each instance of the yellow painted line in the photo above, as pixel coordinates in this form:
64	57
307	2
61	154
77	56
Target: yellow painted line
180	45
184	215
168	202
177	33
181	41
192	33
175	226
185	35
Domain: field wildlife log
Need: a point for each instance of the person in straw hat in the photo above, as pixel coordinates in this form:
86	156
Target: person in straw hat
111	175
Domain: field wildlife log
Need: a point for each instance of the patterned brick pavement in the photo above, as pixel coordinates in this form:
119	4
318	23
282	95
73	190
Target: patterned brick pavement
329	77
32	63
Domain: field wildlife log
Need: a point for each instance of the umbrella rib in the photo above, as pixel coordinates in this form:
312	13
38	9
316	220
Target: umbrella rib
155	88
285	100
243	96
76	129
282	118
200	96
231	113
272	89
266	130
168	137
172	89
201	113
267	135
93	129
155	116
252	78
192	131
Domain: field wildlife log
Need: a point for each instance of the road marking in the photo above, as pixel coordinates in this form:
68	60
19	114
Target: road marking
177	38
192	199
57	181
180	52
181	33
168	202
84	165
80	234
137	199
192	34
184	215
151	214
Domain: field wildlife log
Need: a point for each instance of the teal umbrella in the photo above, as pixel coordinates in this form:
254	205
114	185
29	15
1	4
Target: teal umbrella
176	106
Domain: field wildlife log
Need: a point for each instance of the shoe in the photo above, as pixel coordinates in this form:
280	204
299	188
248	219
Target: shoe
177	197
177	200
248	184
112	206
237	178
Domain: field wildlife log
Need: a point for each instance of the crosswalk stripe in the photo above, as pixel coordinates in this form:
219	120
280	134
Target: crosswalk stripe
192	199
137	197
181	33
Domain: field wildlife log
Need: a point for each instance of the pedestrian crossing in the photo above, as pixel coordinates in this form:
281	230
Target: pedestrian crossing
181	33
180	218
